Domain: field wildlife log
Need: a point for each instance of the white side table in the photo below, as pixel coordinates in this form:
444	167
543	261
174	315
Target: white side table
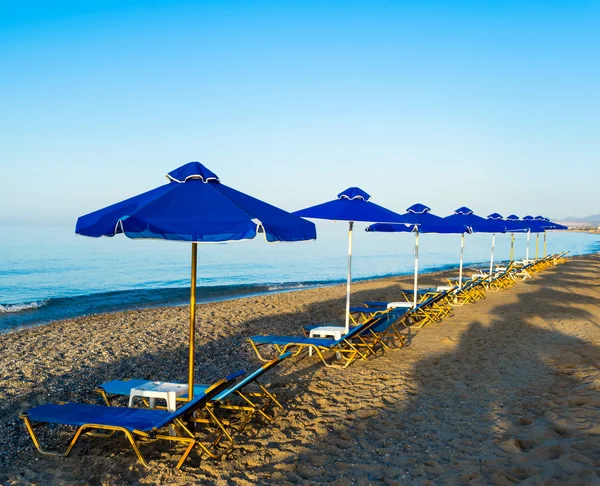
403	305
159	389
336	332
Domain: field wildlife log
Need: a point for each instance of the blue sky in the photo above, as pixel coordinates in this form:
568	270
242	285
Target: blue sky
494	105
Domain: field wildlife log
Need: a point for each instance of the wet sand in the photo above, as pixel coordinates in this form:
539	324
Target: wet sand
507	391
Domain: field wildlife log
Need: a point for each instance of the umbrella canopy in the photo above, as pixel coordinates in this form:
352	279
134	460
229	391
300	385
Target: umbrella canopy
534	225
194	206
514	224
548	225
465	216
351	205
476	224
421	221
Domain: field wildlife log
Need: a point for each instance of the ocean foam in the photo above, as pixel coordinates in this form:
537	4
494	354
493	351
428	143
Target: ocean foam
6	308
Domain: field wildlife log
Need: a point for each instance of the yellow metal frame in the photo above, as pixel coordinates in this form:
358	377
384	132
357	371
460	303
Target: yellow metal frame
133	437
183	433
192	322
349	354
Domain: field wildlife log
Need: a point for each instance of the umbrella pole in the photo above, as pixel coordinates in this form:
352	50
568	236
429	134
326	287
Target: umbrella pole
462	249
492	258
537	245
350	226
416	267
512	246
544	243
527	251
192	321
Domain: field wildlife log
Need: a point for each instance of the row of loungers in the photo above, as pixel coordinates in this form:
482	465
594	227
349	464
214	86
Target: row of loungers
380	325
220	411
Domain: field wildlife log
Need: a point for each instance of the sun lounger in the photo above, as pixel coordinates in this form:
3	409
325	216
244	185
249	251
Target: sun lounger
137	424
469	292
362	313
239	397
348	348
383	331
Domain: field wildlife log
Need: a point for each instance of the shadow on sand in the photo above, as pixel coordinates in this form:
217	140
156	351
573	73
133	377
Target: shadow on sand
505	392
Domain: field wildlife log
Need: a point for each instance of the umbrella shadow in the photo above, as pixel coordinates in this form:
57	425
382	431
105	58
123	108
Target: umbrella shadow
157	350
465	414
510	401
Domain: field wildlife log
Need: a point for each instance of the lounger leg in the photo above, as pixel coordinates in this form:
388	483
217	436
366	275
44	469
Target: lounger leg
135	447
36	442
196	442
104	396
221	426
258	354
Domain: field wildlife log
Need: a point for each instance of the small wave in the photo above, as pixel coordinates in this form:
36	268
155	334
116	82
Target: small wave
276	287
6	308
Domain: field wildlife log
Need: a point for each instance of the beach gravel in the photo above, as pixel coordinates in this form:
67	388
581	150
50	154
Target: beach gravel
507	391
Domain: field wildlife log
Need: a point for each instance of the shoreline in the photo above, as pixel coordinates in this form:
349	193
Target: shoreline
294	287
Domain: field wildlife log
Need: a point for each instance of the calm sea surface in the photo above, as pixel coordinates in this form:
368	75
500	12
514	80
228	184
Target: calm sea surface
50	273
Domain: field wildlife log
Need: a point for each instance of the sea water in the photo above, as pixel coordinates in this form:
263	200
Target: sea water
49	273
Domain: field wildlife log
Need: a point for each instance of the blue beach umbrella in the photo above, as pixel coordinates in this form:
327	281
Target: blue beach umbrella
194	206
547	225
533	225
351	205
550	225
420	220
514	225
464	216
536	225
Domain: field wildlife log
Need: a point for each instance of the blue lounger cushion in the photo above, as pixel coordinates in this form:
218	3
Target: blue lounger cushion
283	340
143	419
79	414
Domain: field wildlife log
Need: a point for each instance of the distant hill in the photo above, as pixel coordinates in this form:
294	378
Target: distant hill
588	219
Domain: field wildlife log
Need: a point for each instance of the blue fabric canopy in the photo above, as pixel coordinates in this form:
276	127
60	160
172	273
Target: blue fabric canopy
477	224
194	206
420	219
550	225
534	225
514	224
351	205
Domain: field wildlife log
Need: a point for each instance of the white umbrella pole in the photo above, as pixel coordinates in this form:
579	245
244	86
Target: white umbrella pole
512	246
544	242
350	226
527	251
416	268
492	258
462	249
537	245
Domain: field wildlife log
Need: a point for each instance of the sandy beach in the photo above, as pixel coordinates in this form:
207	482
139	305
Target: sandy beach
507	391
